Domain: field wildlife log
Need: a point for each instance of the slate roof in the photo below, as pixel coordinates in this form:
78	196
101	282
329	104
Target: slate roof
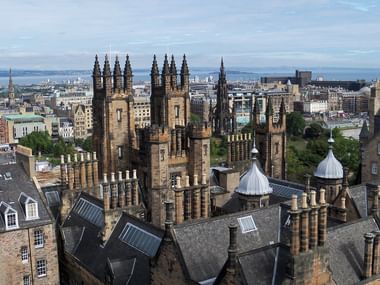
10	191
264	266
345	242
212	234
359	196
346	250
285	189
84	242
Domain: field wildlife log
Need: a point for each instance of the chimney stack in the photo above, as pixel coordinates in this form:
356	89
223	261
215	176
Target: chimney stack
63	171
83	179
135	188
168	220
322	218
295	227
76	172
304	224
70	172
179	213
196	199
376	253
89	172
95	172
232	249
313	221
368	255
205	197
106	193
114	189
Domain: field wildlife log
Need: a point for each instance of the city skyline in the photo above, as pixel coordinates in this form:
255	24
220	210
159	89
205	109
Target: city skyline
67	35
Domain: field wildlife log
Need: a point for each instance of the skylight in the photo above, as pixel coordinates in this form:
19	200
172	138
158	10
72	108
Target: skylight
53	198
247	224
140	239
89	211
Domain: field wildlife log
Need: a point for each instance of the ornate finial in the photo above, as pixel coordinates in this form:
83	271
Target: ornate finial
254	149
107	68
330	140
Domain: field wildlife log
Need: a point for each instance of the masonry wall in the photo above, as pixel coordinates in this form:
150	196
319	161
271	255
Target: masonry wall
13	269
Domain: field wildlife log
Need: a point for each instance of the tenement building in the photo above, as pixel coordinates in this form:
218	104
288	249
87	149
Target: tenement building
370	139
28	252
171	156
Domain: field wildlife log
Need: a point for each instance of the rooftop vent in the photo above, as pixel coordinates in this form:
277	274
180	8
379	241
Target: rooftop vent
7	176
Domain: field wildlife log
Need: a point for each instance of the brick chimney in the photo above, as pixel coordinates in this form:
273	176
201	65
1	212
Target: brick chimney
376	253
196	198
121	193
232	250
83	179
168	221
128	189
313	220
304	223
295	227
205	197
63	171
76	173
70	173
368	255
89	172
179	213
322	218
95	173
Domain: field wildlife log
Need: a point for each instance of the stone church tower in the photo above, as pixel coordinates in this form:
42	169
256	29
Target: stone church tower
222	117
113	125
271	139
171	156
177	152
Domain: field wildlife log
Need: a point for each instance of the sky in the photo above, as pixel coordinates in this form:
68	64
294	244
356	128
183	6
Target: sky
66	34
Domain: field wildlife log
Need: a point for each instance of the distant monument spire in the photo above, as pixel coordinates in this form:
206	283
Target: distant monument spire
11	90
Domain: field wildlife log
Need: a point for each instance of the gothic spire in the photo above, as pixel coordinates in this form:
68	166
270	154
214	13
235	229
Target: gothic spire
154	70
184	68
222	71
117	69
128	76
96	71
117	79
165	68
107	68
127	68
173	68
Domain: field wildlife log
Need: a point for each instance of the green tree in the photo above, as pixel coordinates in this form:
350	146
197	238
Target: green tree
295	124
314	131
38	142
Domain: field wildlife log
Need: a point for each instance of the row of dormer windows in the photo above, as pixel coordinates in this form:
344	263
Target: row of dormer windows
10	215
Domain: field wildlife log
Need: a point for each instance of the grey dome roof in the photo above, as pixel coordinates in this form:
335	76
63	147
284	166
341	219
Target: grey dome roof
330	167
365	90
254	182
